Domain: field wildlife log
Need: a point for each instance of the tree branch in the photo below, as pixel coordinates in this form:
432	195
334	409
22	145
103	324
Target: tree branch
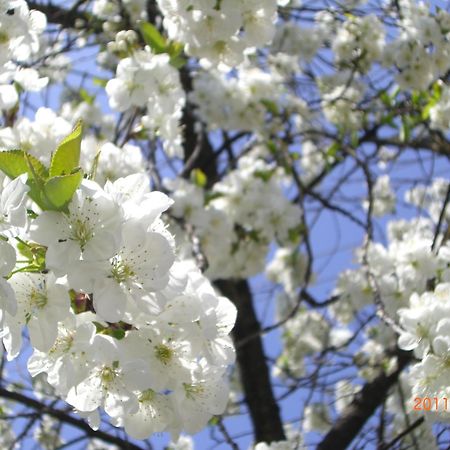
364	404
254	372
68	18
64	417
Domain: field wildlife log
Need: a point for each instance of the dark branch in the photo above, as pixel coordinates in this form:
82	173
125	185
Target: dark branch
254	372
64	417
68	18
363	406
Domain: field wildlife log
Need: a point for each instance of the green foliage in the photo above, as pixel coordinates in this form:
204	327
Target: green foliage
49	189
199	178
116	331
86	97
210	196
296	234
332	151
16	162
102	82
67	156
93	172
34	255
264	175
271	107
153	37
159	44
433	98
59	190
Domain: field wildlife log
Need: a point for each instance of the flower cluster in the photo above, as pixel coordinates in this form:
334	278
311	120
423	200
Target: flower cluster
426	331
243	102
421	50
239	218
359	42
147	81
401	269
117	322
219	31
20	29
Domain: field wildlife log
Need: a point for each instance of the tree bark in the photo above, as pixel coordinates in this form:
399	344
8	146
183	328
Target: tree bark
254	371
363	406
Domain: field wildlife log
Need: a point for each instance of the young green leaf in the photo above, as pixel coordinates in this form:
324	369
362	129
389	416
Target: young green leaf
59	190
67	155
14	163
153	37
199	178
93	172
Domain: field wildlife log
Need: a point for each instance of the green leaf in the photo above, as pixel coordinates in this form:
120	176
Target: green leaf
67	155
117	334
405	130
426	110
272	147
25	249
388	119
213	421
264	175
178	61
386	99
437	90
102	82
31	214
14	163
199	178
59	190
332	150
416	97
86	97
174	48
210	196
93	172
271	106
354	139
153	37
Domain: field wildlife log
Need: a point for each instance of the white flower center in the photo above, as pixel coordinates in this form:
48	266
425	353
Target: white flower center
163	353
147	396
193	390
107	375
81	232
120	271
38	299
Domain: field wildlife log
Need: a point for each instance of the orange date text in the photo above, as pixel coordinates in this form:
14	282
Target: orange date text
431	404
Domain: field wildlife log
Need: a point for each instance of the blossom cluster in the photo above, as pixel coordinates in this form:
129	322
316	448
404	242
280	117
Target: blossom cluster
20	30
147	81
425	324
420	52
48	129
258	102
220	31
116	320
236	222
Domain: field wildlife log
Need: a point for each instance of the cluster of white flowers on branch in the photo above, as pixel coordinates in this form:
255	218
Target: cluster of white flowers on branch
20	30
116	320
232	144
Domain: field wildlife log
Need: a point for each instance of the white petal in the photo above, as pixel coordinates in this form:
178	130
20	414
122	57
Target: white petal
109	301
43	333
8	96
